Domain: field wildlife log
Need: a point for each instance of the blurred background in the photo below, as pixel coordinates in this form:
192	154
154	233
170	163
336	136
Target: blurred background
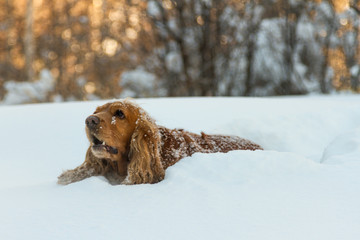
67	50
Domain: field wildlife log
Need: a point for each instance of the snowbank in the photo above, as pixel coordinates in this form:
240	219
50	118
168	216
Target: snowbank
305	185
27	92
139	83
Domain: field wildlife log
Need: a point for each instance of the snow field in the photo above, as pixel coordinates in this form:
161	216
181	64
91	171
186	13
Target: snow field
305	185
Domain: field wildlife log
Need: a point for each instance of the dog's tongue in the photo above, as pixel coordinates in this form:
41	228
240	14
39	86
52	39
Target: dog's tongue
111	150
108	148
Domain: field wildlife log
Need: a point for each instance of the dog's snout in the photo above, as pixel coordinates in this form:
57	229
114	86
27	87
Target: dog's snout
92	121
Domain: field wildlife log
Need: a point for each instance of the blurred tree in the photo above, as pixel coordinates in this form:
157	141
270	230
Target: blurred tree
328	18
184	48
253	17
350	43
291	11
29	45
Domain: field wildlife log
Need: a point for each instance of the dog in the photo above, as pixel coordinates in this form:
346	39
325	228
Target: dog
128	147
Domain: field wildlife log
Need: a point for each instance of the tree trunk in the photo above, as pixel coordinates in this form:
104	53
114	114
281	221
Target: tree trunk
29	43
249	57
323	72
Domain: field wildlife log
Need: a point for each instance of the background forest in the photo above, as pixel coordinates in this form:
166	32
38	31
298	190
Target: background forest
53	50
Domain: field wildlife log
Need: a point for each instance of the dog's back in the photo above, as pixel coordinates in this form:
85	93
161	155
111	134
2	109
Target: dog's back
178	143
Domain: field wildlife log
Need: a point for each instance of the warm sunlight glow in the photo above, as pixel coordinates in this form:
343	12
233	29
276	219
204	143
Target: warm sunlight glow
343	21
109	46
341	5
131	33
90	87
200	20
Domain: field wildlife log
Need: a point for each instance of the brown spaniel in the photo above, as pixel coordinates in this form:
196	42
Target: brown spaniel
127	147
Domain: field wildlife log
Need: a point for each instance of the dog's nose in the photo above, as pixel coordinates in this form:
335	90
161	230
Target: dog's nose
92	121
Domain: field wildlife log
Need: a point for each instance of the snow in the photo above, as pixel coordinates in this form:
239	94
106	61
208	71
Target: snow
268	57
304	185
355	70
25	92
113	120
153	9
139	83
173	62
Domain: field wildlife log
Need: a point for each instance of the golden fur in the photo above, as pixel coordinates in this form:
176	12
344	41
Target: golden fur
127	147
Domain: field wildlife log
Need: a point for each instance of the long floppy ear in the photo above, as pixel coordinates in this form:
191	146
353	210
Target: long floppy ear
145	163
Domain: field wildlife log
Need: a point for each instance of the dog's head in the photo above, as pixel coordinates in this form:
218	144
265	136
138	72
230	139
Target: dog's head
121	131
110	127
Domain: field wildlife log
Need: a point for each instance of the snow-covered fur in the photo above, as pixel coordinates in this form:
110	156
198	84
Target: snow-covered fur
128	147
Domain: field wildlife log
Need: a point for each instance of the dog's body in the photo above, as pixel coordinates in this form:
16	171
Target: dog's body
127	147
177	144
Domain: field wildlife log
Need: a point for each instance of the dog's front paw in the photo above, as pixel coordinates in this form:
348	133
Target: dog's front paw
66	178
127	181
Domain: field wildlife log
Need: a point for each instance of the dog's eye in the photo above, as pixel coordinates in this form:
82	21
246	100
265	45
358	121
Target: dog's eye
119	114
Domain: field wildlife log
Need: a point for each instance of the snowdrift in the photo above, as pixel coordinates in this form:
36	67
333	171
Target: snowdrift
304	185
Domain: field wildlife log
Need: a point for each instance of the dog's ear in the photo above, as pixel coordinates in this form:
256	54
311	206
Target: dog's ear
145	163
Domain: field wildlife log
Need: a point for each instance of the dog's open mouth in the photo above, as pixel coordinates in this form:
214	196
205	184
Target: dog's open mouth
99	145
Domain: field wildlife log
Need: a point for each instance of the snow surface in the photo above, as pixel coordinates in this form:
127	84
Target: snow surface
304	185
